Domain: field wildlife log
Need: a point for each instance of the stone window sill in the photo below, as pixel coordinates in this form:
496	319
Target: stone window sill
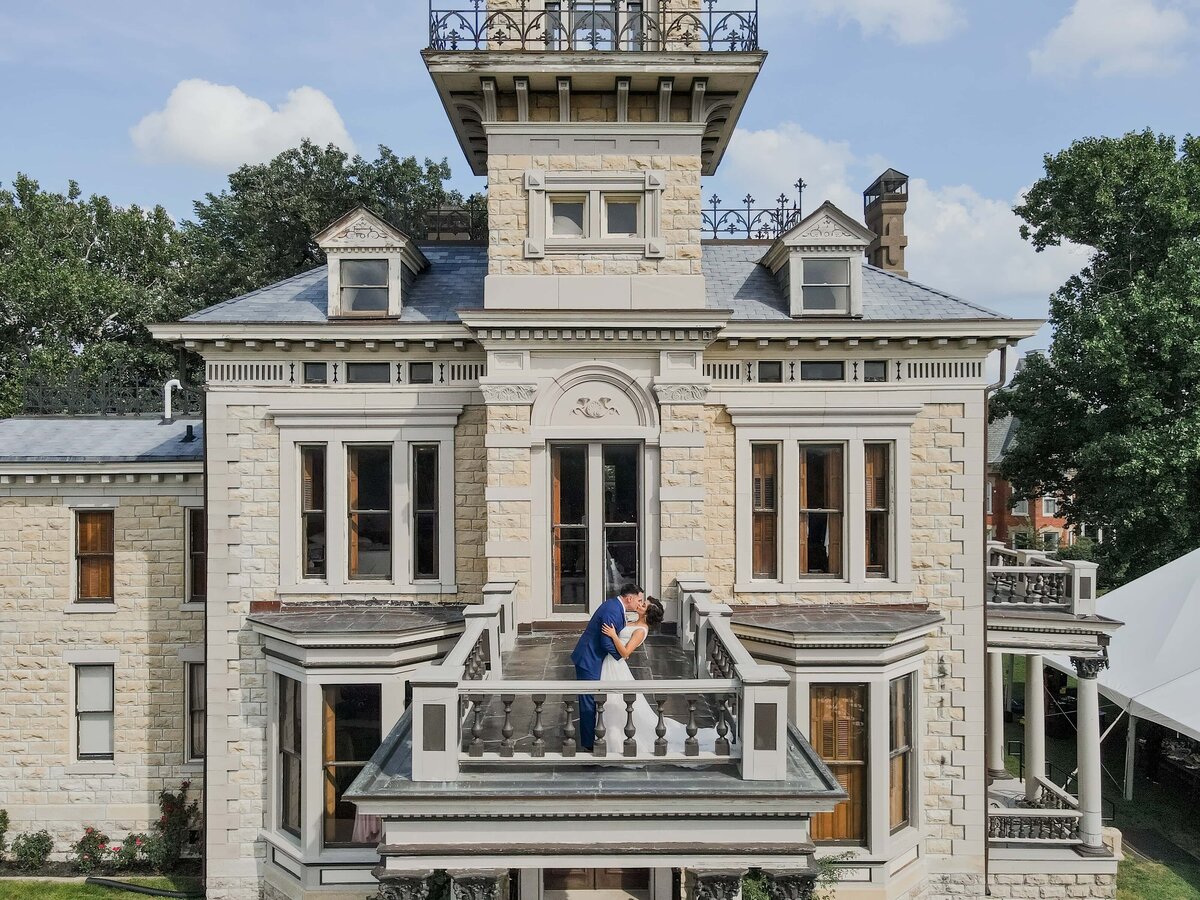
191	607
192	767
90	608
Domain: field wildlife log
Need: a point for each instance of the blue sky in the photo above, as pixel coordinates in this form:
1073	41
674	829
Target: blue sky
964	95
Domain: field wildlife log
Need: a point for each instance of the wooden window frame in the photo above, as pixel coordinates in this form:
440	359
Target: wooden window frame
291	752
197	708
764	538
197	537
420	514
84	558
824	826
838	512
874	511
344	286
353	512
900	754
309	511
330	763
110	712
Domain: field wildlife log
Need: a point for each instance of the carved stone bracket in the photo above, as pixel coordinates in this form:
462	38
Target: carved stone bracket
1089	667
680	393
405	886
508	394
723	884
791	885
478	884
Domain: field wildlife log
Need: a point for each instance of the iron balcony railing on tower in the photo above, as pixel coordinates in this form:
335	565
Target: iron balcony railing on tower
594	25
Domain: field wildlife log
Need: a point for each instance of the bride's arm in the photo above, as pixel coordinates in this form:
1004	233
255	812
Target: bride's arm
625	649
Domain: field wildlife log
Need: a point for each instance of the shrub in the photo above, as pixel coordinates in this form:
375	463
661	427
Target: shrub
132	853
165	846
91	850
3	831
31	850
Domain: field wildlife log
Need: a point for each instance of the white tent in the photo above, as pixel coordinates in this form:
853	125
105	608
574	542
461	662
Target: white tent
1154	658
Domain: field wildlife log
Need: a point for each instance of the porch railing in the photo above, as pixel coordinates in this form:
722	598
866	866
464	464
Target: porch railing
585	25
1053	818
467	713
1030	579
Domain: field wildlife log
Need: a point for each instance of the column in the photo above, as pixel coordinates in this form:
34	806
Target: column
478	884
1087	708
1035	724
791	884
717	884
403	885
994	699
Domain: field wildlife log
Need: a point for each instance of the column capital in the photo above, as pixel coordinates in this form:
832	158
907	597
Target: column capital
793	884
1089	666
718	884
477	884
403	885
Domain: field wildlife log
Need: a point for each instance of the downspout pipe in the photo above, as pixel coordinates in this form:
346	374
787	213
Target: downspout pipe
173	384
987	413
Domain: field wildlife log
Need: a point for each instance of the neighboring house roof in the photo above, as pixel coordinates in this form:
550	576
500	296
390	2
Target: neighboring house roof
99	439
1001	434
455	277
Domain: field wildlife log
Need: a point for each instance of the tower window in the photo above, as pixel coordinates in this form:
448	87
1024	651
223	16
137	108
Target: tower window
569	216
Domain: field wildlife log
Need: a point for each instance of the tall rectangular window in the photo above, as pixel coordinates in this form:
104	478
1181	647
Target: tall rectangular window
839	735
94	712
289	721
312	510
94	556
878	487
195	711
197	556
826	285
351	731
822	503
425	511
900	790
369	501
766	510
989	490
364	286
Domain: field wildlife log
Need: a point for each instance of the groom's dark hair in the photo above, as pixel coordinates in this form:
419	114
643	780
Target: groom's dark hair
629	589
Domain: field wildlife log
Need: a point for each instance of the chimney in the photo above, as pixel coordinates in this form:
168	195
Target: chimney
884	205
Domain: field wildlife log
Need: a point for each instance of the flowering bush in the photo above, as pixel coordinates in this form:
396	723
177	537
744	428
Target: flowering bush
3	831
91	850
130	854
171	831
31	850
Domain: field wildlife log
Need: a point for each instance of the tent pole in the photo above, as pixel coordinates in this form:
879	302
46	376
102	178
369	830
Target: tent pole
1130	750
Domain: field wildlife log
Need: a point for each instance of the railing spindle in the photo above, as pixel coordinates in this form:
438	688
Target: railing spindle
507	745
539	743
691	746
477	728
722	745
600	745
660	730
630	728
568	745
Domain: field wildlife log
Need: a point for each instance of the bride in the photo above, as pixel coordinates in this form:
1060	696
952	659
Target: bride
645	719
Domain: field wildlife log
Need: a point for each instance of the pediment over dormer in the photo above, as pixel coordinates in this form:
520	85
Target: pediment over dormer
361	228
827	226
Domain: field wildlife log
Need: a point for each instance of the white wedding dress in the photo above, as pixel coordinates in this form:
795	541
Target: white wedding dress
645	719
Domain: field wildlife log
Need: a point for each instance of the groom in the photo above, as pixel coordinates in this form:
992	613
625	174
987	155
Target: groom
593	646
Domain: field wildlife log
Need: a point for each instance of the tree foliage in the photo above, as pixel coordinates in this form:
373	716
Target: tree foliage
1110	419
259	230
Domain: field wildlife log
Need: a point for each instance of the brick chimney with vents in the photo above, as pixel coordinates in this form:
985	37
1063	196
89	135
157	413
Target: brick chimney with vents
884	205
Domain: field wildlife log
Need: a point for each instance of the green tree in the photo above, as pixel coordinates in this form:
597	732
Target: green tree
1110	418
80	279
259	230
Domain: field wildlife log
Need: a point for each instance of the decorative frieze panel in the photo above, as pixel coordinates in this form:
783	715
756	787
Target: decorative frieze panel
944	370
256	373
326	371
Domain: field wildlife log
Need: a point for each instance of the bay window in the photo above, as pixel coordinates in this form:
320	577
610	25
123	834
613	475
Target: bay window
877	473
839	734
351	731
901	752
289	723
766	510
369	502
821	507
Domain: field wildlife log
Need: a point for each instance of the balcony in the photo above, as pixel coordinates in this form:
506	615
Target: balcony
611	26
1050	819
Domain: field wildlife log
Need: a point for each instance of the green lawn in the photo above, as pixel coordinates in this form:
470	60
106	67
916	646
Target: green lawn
48	890
1142	880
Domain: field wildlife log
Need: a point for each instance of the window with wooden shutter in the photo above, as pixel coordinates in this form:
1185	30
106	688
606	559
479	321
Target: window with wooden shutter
822	504
878	489
900	776
839	735
766	510
94	556
369	502
197	556
312	510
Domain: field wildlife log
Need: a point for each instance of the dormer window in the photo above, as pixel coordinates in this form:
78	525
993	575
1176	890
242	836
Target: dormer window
364	287
826	285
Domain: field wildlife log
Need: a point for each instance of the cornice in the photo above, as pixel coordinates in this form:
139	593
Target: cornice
106	473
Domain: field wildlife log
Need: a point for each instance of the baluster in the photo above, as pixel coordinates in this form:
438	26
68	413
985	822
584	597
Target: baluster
507	744
691	746
539	744
477	728
630	728
568	745
722	746
660	730
600	746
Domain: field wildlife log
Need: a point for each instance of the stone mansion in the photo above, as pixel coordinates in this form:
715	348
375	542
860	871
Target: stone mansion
341	599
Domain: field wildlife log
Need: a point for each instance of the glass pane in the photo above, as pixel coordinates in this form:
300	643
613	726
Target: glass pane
764	475
821	298
821	472
371	545
621	516
315	373
568	511
874	371
820	543
93	688
770	373
425	545
196	744
877	544
365	273
838	729
822	371
368	373
351	733
622	217
96	734
568	218
312	461
425	477
371	478
420	373
360	299
289	774
826	271
314	545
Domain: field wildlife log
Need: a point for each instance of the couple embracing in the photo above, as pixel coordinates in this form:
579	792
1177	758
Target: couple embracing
618	628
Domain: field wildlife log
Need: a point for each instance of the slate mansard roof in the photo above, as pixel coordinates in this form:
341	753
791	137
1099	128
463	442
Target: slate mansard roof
455	277
80	439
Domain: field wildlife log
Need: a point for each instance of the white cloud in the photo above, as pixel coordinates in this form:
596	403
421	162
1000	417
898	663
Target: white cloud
219	125
960	240
1113	37
905	21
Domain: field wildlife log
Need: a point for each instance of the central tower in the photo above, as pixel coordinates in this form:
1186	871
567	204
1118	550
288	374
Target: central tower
594	122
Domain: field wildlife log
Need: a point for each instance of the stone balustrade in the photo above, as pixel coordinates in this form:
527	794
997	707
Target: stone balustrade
1052	817
1029	579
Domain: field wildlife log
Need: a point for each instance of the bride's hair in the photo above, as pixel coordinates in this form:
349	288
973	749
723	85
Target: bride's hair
654	612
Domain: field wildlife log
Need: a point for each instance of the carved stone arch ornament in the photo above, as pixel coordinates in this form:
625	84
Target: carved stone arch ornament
595	397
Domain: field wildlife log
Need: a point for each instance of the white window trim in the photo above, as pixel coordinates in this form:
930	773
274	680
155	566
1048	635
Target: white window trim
395	261
336	440
796	283
89	504
854	578
881	844
186	603
616	197
89	656
1020	508
541	186
193	762
1052	502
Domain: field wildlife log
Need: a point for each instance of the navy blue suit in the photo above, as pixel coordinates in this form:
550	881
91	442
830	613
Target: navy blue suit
588	657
